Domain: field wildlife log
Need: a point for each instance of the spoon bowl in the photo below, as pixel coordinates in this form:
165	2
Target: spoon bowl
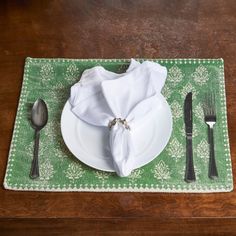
39	114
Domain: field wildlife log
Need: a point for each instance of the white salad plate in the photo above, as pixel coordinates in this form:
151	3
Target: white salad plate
90	144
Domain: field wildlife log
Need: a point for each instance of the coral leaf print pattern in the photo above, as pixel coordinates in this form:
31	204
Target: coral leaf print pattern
161	171
52	129
175	75
58	92
46	72
46	170
102	175
200	75
135	175
72	72
199	112
177	110
175	149
202	151
74	171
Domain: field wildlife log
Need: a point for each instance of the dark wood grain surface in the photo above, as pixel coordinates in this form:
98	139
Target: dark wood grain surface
114	29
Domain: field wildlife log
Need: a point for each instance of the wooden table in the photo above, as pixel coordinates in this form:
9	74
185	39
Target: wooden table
114	29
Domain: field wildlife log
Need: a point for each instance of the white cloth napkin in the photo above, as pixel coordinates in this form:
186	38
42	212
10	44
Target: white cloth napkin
102	95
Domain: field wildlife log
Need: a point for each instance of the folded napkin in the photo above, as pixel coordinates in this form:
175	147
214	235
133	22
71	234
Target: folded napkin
119	102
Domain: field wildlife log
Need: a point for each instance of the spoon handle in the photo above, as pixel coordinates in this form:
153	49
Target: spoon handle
34	173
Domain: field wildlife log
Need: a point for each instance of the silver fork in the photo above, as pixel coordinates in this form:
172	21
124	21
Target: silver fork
209	110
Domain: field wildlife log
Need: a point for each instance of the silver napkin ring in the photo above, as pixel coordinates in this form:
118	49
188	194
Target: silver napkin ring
119	121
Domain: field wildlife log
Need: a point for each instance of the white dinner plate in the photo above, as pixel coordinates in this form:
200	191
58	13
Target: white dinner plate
90	144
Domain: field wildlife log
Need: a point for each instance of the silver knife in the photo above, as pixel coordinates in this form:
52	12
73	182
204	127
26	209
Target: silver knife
188	120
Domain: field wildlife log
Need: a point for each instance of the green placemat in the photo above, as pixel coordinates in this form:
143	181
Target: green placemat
51	79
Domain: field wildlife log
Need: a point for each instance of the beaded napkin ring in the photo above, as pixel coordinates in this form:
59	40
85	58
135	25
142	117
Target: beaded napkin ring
119	121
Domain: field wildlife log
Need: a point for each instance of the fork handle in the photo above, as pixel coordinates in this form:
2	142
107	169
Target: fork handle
213	173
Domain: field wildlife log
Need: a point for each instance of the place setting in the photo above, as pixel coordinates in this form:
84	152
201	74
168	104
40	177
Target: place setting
121	125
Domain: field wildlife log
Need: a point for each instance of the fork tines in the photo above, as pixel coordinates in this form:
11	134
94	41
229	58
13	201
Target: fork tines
209	104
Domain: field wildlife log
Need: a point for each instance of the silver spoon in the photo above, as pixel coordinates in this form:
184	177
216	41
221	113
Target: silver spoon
39	118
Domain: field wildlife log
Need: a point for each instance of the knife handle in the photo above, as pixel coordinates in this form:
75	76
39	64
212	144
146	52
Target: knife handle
189	171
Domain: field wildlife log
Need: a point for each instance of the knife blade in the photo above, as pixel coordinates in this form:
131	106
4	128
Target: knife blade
188	120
